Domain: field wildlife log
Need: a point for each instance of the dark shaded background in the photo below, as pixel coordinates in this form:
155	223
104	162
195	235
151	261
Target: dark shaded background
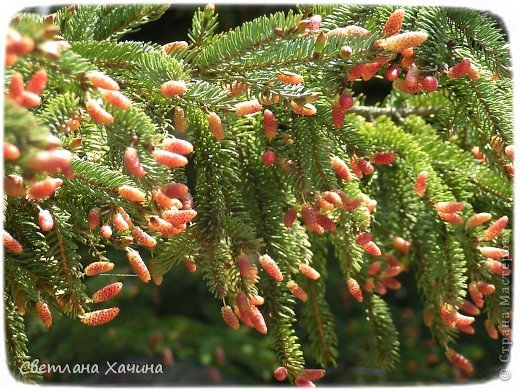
180	319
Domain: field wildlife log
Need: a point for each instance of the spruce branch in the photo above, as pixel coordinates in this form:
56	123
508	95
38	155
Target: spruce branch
371	112
482	35
385	337
17	341
319	320
96	139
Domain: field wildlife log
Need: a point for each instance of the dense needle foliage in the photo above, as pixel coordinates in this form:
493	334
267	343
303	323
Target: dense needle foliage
247	157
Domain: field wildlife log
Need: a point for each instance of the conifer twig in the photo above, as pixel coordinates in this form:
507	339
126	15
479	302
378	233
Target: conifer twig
397	113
